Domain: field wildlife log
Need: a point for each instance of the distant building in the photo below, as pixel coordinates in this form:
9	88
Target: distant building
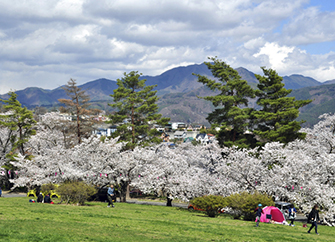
203	138
211	137
188	139
165	137
180	135
104	130
175	126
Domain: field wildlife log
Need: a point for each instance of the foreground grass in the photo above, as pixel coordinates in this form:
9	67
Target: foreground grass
24	221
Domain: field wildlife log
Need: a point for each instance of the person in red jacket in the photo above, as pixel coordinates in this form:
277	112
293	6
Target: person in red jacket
259	212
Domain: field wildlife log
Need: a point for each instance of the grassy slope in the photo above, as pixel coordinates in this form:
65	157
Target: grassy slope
24	221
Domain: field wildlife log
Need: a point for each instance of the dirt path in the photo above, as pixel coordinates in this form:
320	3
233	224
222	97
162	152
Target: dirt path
13	194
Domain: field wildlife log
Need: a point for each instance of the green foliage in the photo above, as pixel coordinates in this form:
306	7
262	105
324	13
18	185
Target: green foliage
75	192
231	112
20	123
136	103
211	204
20	120
245	203
47	188
276	119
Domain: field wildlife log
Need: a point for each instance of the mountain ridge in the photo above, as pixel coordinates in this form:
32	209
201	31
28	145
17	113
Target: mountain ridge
177	88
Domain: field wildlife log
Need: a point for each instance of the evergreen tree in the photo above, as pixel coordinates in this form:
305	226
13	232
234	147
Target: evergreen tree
18	124
276	119
77	106
231	113
136	111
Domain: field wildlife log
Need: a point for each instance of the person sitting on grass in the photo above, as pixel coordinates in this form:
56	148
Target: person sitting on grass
40	198
259	212
47	199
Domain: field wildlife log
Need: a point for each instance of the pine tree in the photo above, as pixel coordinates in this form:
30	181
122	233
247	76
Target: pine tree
19	123
276	119
136	111
231	113
77	106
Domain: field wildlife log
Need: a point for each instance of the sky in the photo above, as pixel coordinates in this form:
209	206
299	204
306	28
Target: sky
44	43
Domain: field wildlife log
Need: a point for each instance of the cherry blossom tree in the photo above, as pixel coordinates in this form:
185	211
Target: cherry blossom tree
302	171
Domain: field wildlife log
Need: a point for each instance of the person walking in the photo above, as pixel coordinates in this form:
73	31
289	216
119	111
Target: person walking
313	218
110	195
0	192
292	213
259	212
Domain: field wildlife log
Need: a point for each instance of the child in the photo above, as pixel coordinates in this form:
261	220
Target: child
110	195
292	212
259	212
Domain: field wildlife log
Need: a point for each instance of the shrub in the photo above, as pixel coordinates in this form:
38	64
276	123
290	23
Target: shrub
244	204
211	204
75	192
47	188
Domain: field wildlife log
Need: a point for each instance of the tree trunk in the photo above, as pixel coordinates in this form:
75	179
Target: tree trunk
168	201
133	123
128	191
124	193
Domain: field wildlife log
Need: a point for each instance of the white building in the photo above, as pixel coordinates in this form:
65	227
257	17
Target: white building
104	130
179	134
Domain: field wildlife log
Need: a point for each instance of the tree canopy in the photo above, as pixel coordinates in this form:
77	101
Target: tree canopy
276	118
136	112
231	113
77	106
17	126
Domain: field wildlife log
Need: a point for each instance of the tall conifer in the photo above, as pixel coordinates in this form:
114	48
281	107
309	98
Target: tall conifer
20	124
77	106
136	111
276	119
231	113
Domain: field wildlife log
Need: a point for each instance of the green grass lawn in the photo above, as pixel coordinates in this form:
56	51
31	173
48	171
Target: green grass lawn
24	221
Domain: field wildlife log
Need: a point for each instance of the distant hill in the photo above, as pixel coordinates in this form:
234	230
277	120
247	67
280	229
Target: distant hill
299	81
179	79
98	90
323	102
178	90
329	82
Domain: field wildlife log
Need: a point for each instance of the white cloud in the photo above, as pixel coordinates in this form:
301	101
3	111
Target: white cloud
309	26
48	41
276	55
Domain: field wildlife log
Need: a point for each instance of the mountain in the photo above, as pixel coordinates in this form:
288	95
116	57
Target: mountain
248	76
98	90
178	80
299	81
323	102
178	90
329	82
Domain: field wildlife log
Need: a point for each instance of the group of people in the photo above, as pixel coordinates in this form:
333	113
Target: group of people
313	216
45	199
